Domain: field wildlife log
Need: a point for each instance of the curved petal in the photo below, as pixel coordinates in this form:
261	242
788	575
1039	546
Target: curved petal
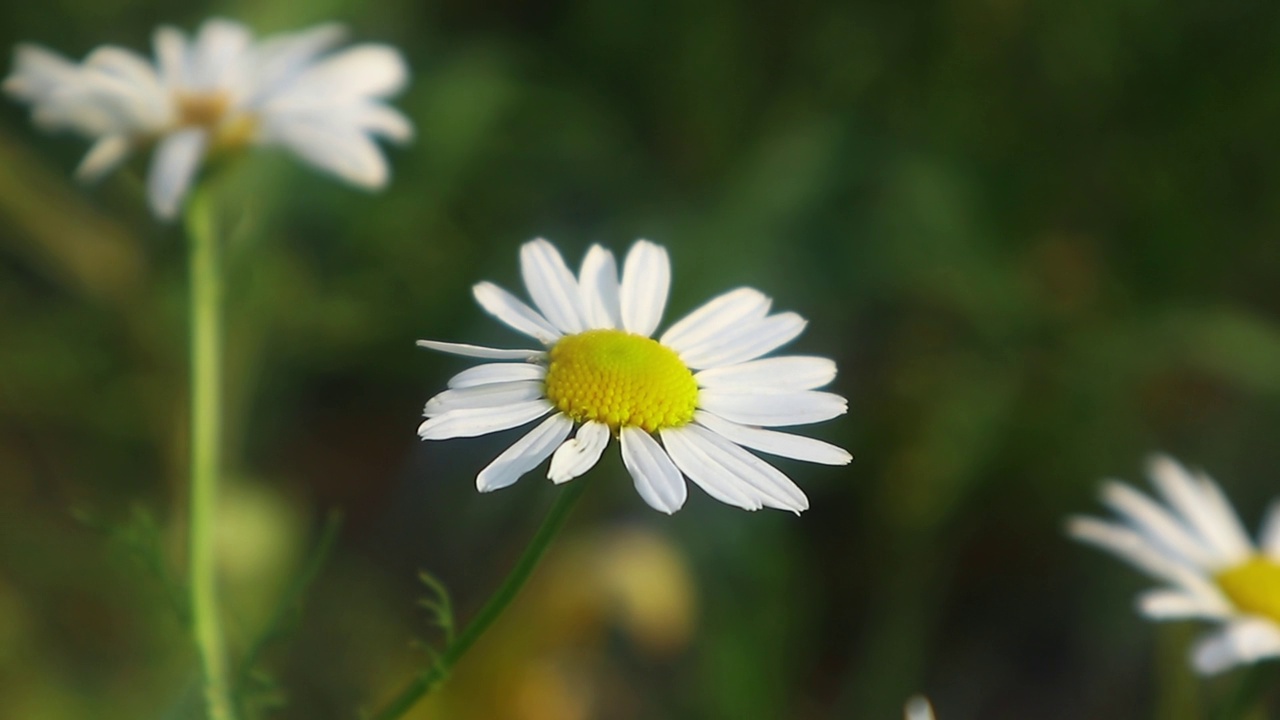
598	280
369	70
656	477
338	149
1158	524
773	408
173	168
1166	604
106	155
769	483
709	475
580	454
478	351
1242	642
514	313
746	341
646	278
552	287
491	373
1135	550
715	317
482	421
789	372
484	396
796	447
1201	505
172	56
525	454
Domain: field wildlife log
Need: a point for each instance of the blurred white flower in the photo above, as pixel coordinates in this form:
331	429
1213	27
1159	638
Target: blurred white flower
918	708
702	387
1195	542
220	90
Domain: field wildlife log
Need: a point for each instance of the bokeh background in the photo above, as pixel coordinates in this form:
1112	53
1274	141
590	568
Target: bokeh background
1039	237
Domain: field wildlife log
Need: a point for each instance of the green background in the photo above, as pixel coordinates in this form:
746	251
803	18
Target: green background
1039	237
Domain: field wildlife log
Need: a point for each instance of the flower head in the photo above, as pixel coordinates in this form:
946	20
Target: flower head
1195	543
217	91
687	402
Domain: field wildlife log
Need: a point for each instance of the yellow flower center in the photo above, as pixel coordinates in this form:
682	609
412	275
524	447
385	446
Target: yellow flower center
620	379
211	110
1254	587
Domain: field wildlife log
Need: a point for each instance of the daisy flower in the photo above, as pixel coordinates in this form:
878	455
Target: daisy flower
1192	540
688	402
220	91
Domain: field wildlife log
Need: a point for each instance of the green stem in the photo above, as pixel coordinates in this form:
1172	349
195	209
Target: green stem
206	432
427	681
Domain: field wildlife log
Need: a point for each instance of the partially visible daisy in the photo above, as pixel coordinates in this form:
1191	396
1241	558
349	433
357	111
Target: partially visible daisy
688	402
220	90
1194	542
918	708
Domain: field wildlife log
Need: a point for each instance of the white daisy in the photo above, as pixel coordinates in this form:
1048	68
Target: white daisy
220	90
688	402
1196	544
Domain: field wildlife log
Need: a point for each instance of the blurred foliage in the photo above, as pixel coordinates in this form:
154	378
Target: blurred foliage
1039	237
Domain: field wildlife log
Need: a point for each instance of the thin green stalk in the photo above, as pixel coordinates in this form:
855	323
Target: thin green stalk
427	681
206	441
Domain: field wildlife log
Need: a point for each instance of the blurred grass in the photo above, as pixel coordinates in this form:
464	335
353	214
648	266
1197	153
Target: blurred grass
1040	239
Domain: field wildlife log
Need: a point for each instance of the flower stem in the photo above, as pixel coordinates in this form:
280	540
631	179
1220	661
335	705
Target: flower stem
206	440
431	677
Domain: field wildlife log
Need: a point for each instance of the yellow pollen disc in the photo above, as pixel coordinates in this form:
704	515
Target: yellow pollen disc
620	379
1253	587
211	110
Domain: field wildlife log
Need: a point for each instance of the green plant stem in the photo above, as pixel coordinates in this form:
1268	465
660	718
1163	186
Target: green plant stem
206	440
427	681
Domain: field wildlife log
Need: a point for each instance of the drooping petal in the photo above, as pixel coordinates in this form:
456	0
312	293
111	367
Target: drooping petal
491	373
746	341
773	408
483	396
773	442
173	168
482	421
552	287
656	477
478	351
1165	604
789	372
1244	641
514	313
598	279
526	454
715	317
773	487
709	475
580	454
339	149
106	155
646	278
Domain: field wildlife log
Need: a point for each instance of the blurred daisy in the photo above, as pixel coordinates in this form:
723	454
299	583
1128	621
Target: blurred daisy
688	402
220	91
918	708
1195	543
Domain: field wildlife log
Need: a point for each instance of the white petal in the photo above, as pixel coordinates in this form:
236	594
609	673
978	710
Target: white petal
38	71
1164	604
789	372
746	341
478	351
773	408
1152	519
1137	551
552	286
381	120
709	475
138	74
173	167
341	150
918	708
172	56
646	277
482	421
580	454
1242	642
280	58
656	477
483	396
218	54
773	442
598	279
514	313
773	487
497	373
106	155
369	70
717	315
525	454
1195	501
1269	539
